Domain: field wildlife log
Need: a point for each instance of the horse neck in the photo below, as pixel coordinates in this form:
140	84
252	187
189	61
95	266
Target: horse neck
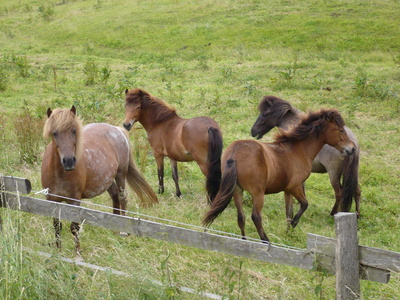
291	118
309	147
148	121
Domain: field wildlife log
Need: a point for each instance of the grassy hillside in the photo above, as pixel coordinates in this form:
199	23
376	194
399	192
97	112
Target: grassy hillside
204	58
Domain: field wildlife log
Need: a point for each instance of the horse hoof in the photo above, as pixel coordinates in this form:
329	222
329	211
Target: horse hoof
79	258
123	234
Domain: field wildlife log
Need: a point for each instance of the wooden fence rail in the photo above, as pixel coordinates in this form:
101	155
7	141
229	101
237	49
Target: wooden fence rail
373	264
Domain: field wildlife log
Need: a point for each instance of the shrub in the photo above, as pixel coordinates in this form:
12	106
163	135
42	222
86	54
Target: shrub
28	131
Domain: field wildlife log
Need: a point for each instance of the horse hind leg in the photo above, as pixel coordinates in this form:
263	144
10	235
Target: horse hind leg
238	198
113	191
337	187
258	202
357	199
118	196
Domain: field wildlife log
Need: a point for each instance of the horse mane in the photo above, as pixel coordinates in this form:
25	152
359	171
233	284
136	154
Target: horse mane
312	123
62	120
161	110
278	107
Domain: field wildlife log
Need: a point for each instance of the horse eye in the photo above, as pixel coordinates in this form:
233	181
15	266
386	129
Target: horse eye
54	133
138	107
74	131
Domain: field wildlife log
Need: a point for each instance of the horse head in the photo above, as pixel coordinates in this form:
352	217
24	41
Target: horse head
272	112
336	135
133	104
64	128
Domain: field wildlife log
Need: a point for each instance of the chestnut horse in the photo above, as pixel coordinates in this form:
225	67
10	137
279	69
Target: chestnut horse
85	161
180	139
284	165
277	112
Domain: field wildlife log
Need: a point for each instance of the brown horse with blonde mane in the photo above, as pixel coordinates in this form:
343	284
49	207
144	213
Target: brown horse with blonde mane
85	161
343	172
284	165
180	139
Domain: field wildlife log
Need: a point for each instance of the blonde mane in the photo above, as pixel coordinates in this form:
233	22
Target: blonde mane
63	120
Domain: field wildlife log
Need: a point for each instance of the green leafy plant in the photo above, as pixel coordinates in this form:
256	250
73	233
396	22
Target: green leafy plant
91	72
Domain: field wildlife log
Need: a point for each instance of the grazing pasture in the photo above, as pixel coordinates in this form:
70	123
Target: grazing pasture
202	58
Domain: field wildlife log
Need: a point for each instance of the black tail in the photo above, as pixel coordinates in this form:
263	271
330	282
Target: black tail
214	162
350	180
225	193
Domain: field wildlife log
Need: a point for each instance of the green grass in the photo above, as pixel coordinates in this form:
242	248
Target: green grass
204	58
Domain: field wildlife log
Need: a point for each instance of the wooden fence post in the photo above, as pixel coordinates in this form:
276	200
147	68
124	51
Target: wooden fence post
347	261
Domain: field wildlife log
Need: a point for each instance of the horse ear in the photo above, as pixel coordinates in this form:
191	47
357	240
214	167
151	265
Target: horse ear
126	91
49	111
73	109
331	116
140	93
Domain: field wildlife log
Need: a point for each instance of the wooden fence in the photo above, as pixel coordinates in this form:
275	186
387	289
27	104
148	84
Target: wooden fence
342	256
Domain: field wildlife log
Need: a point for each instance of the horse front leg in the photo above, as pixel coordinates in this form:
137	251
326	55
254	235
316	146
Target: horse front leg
57	228
75	227
289	208
175	176
160	173
299	194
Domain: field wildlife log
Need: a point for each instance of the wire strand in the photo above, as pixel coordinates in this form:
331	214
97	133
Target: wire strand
198	228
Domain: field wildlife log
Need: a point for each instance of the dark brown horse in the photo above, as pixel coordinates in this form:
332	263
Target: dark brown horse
284	165
180	139
85	161
343	172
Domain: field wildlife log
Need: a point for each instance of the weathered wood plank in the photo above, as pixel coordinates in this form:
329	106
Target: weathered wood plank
203	240
369	256
14	184
346	254
325	249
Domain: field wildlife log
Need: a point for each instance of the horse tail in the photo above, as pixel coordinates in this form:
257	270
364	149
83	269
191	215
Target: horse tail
140	186
224	196
350	179
214	162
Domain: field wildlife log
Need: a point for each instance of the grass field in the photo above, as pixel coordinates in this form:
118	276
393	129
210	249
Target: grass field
204	58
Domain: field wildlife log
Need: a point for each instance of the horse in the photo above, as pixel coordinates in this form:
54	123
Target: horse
85	161
180	139
283	165
277	112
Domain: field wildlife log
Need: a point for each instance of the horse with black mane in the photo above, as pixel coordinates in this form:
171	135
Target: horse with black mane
183	140
284	165
85	161
343	172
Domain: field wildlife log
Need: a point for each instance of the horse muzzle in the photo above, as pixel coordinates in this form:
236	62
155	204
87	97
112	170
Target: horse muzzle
256	134
128	126
69	163
347	151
